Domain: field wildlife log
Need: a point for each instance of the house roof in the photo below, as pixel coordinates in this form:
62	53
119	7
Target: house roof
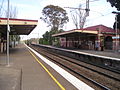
100	28
89	30
17	26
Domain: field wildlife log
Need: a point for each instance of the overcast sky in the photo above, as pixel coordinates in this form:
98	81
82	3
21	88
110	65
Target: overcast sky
100	13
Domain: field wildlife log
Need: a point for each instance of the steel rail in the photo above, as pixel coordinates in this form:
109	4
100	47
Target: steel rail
88	79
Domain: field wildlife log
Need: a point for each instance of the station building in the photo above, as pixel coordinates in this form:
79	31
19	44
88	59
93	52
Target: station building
17	27
97	37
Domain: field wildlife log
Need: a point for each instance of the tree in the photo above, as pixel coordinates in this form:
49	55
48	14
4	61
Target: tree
47	37
78	17
54	16
118	22
116	3
13	12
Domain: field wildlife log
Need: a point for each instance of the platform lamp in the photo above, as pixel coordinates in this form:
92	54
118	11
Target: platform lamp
8	30
117	35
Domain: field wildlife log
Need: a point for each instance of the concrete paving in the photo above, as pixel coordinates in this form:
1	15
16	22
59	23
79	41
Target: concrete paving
34	77
10	78
108	53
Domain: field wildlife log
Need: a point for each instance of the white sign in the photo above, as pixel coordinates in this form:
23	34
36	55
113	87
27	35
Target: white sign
8	28
116	37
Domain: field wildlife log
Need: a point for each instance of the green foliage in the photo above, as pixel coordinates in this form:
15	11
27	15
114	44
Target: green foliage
41	41
54	16
118	22
116	3
14	37
46	42
46	36
48	39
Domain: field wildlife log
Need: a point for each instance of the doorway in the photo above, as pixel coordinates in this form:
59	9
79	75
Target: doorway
108	43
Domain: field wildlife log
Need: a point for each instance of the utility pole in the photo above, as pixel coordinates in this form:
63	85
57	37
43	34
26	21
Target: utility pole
87	7
116	31
8	30
87	12
81	24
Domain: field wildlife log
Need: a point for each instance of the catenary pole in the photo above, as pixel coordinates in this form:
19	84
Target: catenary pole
8	35
116	32
116	29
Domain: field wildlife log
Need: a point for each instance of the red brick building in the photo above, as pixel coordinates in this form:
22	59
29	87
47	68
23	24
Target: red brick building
95	37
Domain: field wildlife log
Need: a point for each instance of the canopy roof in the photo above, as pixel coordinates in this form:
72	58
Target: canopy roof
93	30
101	29
17	26
74	32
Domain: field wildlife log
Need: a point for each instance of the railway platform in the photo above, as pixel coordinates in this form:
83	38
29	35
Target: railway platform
107	53
35	76
106	59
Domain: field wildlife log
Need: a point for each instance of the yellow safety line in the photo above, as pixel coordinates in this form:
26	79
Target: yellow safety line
56	81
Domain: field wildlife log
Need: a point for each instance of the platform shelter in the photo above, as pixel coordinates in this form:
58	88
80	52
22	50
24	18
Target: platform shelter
97	37
17	27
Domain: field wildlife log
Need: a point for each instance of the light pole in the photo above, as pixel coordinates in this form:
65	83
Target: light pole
116	30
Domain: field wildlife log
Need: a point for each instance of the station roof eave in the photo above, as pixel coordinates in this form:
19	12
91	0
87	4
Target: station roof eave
17	26
75	32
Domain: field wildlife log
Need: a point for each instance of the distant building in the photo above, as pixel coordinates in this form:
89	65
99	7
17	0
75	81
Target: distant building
95	37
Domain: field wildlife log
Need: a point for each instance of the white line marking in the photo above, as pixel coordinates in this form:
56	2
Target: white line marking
72	79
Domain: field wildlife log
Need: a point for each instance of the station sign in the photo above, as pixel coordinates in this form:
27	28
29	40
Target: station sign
116	37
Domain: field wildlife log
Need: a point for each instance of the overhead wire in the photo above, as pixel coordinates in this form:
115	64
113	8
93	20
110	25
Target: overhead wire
98	17
93	19
102	15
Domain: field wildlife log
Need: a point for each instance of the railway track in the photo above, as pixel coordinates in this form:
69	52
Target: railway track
74	66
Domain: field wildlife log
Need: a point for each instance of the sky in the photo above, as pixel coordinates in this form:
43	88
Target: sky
100	13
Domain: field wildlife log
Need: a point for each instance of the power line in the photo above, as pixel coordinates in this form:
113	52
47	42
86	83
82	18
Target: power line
90	1
89	20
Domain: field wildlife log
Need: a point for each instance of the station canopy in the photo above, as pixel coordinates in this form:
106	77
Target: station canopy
17	26
89	31
76	32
